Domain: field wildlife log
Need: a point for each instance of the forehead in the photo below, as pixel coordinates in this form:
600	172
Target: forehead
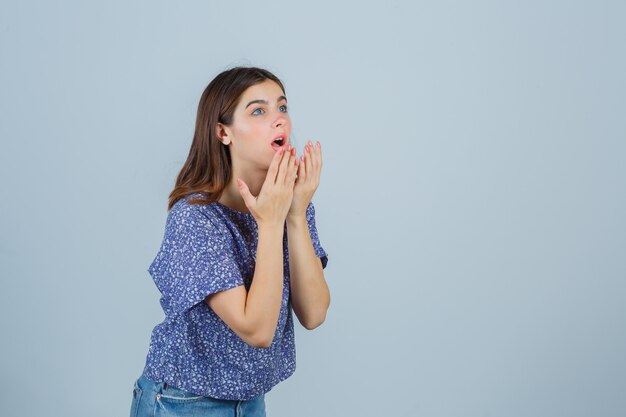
266	90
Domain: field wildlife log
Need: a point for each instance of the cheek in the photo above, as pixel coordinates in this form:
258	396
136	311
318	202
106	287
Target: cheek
253	130
243	129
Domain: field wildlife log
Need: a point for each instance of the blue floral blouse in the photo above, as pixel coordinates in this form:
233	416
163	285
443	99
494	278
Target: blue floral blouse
209	248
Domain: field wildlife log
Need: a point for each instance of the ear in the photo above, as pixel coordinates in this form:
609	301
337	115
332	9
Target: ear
222	133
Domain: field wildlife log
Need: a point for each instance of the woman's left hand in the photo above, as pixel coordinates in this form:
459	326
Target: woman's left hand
309	170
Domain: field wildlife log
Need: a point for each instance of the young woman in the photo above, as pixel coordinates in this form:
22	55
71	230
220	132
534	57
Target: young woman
240	252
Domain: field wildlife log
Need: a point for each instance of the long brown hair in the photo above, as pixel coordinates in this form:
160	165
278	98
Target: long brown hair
208	167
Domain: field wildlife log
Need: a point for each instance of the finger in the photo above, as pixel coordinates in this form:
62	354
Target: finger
318	153
283	167
318	159
309	160
273	169
302	168
291	167
294	167
315	152
313	159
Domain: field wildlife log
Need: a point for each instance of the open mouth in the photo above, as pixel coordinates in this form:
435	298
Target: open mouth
279	143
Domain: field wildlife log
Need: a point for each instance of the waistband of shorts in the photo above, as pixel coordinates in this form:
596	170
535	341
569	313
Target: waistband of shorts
147	384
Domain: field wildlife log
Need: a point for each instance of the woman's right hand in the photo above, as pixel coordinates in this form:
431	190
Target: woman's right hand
274	200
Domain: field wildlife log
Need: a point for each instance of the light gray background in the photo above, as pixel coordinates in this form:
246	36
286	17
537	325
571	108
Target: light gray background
472	197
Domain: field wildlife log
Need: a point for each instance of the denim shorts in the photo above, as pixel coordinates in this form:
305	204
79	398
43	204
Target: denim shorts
158	399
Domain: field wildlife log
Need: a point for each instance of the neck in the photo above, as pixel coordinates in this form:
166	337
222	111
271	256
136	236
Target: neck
231	196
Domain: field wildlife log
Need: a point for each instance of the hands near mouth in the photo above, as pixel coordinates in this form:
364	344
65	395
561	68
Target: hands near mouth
290	183
308	179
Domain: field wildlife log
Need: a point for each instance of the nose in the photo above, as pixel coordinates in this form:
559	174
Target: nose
281	120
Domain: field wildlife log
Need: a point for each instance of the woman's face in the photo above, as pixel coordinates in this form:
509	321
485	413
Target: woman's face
261	115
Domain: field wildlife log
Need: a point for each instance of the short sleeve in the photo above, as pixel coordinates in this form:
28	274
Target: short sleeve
196	259
319	250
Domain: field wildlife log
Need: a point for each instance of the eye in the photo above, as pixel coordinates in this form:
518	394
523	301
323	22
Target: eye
255	111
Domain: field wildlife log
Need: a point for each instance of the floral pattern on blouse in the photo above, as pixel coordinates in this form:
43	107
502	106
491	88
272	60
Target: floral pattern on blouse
208	248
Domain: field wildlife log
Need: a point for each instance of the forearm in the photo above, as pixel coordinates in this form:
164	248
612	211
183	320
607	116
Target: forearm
266	291
310	296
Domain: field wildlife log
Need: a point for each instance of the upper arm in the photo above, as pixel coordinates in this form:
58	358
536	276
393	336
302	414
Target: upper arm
198	263
230	306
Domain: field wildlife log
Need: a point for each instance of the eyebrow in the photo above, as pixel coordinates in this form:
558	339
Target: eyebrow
265	101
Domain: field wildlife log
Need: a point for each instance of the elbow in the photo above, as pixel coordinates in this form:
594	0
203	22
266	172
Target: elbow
315	321
314	324
261	341
264	344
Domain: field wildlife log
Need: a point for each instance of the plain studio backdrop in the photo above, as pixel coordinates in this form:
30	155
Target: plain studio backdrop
471	202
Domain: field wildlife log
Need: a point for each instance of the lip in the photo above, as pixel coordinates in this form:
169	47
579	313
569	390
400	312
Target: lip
285	141
280	135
